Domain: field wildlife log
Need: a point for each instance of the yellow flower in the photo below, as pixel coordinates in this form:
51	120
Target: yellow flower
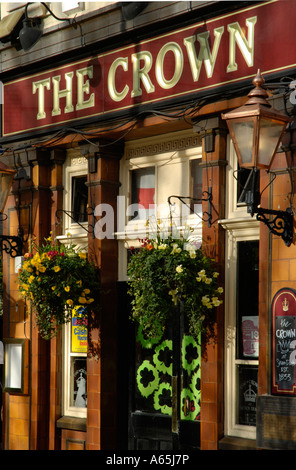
89	301
79	283
54	287
82	255
67	288
82	300
86	291
56	269
41	268
31	279
205	299
69	302
220	290
26	265
179	269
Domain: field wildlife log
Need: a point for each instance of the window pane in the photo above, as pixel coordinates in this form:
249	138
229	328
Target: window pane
143	191
196	184
79	198
247	300
78	382
248	389
244	183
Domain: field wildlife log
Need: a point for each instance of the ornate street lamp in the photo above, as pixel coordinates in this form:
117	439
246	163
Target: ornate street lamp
256	130
11	244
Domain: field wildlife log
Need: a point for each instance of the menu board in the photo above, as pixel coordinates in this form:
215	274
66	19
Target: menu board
284	342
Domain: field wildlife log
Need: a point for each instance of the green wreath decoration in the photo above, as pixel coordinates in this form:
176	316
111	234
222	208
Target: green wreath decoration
160	365
190	367
193	384
152	385
165	409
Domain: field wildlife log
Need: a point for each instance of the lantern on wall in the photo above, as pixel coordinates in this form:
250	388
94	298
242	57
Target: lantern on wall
256	130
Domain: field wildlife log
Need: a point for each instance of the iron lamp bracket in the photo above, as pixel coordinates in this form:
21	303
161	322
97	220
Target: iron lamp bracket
279	222
11	244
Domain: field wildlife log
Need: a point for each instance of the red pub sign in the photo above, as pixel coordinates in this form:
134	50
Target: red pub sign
284	342
197	58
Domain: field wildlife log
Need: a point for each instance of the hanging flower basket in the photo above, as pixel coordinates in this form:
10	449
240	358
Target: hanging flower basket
57	279
165	273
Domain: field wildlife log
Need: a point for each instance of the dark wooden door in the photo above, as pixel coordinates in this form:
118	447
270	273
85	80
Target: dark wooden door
164	405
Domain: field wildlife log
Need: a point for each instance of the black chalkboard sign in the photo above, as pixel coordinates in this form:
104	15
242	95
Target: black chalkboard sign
284	342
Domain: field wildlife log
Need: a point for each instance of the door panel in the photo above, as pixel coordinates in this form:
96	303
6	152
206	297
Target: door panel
172	358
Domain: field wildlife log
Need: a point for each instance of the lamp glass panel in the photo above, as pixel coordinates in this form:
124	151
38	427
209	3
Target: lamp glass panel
5	185
270	133
243	132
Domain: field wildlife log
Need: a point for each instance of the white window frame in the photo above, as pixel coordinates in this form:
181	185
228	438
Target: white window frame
68	409
239	226
234	236
138	154
75	165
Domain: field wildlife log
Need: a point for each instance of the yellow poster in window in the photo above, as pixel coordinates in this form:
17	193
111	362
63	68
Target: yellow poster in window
78	334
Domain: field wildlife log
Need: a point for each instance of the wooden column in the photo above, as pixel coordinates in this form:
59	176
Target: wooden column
102	361
212	393
55	388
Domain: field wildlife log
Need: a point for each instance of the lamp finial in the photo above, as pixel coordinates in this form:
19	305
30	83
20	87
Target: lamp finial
258	95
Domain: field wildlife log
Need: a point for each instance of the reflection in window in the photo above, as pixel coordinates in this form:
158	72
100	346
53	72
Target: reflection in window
79	198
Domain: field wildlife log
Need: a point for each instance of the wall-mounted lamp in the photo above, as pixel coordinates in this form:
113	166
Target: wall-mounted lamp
32	29
256	130
11	244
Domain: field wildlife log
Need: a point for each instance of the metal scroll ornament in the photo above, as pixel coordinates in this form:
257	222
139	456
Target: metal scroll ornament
12	245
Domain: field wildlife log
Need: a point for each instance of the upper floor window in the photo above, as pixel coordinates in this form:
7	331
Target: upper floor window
151	171
79	198
143	191
75	201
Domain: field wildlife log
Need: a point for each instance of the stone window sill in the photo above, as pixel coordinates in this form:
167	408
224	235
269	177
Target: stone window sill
236	443
69	422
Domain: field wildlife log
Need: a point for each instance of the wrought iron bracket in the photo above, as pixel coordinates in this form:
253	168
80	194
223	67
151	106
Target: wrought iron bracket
90	228
207	197
12	245
279	222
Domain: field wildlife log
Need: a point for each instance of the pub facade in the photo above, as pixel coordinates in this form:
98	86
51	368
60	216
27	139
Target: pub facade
113	120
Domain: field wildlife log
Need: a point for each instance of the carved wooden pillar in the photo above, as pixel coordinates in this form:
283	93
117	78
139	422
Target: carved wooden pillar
212	396
103	181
